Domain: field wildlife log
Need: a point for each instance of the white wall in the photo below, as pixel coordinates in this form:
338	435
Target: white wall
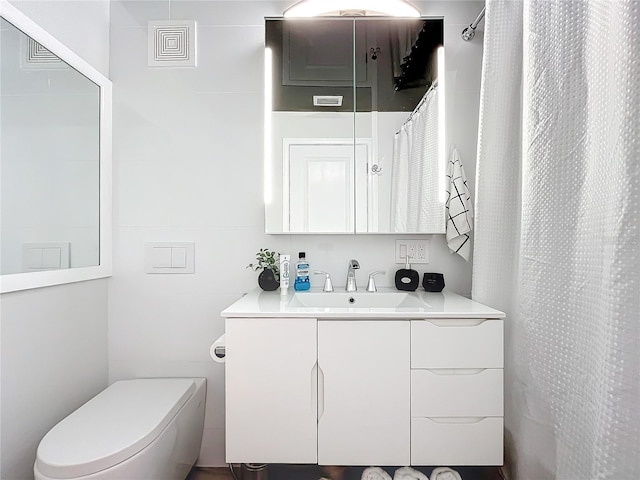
54	340
188	167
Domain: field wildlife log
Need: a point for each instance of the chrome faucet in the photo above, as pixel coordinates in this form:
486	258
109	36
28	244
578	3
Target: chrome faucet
351	276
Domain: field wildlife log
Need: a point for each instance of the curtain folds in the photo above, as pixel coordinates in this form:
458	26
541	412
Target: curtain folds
415	170
557	242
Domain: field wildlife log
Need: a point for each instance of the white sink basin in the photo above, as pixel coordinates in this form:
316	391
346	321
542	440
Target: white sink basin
355	300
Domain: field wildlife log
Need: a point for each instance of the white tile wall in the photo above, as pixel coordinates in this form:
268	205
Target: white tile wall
54	339
187	167
54	359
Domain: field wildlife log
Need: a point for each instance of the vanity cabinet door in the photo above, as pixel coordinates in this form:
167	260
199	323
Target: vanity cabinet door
271	390
363	392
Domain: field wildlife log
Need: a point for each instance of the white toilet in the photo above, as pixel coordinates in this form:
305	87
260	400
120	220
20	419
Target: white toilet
143	429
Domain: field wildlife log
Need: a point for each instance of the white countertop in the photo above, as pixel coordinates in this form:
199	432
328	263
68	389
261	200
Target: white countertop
445	304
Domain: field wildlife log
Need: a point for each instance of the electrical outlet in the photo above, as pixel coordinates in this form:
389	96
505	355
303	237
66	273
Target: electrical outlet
418	251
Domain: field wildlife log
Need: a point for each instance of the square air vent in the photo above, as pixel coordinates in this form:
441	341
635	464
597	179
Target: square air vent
172	43
327	100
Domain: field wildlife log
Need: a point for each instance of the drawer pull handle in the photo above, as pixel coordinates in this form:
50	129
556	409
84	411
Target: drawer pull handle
458	322
464	420
456	371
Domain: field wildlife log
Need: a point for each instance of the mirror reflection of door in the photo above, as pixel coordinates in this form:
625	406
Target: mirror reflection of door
321	185
342	79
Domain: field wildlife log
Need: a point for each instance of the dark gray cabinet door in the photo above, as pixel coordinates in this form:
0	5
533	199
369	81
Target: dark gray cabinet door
321	53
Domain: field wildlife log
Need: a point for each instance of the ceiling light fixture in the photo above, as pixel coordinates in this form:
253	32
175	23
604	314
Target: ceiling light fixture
315	8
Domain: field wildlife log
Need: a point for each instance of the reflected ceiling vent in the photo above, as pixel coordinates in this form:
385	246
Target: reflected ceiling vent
327	100
36	57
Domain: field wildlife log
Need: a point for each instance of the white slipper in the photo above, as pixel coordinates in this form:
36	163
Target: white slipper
375	473
444	473
408	473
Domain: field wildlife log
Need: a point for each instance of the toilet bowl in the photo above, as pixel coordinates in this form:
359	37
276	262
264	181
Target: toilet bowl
143	429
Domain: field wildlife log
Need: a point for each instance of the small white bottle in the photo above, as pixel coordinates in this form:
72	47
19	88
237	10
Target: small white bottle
285	264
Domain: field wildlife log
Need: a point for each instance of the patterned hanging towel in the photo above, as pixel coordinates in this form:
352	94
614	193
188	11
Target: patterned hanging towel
459	212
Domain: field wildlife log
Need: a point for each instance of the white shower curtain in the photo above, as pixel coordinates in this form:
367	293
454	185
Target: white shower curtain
557	242
415	170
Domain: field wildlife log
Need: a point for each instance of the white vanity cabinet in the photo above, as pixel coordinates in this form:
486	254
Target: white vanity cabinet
373	386
336	397
457	392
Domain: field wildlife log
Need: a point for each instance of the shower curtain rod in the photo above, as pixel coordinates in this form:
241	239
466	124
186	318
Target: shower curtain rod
470	32
432	87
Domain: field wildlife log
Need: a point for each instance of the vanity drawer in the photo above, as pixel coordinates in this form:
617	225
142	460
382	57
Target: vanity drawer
469	441
456	393
457	343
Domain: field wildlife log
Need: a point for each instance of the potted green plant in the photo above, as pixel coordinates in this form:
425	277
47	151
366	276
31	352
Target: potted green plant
268	261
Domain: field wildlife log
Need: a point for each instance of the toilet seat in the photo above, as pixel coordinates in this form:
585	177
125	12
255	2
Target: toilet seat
119	422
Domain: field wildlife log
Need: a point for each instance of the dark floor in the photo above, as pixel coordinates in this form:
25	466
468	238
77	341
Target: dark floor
313	472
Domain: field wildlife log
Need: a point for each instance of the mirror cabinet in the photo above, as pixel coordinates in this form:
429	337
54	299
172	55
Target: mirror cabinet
354	130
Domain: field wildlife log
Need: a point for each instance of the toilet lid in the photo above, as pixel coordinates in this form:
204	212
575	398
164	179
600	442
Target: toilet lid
113	426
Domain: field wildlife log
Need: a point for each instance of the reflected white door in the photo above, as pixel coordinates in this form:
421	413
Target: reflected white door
321	193
321	188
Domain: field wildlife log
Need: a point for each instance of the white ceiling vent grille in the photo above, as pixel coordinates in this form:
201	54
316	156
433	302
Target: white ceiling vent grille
327	100
172	43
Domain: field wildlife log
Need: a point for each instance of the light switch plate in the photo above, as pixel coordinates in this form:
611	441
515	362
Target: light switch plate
169	257
418	250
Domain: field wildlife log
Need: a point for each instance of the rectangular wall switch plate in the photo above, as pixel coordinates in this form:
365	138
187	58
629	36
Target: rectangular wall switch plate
169	257
418	250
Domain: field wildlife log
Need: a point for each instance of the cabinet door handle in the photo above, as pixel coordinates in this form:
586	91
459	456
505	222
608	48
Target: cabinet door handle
320	392
314	390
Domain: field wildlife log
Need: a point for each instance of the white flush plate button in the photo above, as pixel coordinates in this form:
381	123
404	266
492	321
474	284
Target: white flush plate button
161	257
169	257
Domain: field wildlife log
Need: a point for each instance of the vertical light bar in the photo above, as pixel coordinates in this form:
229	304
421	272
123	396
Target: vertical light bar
442	126
354	171
268	107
